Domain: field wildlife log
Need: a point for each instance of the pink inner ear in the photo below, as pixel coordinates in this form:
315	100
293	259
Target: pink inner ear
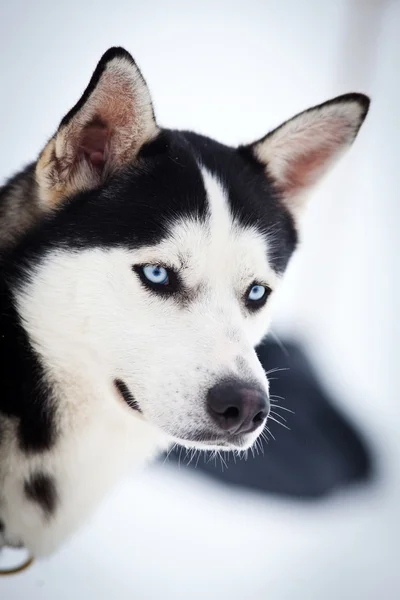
305	169
93	143
315	151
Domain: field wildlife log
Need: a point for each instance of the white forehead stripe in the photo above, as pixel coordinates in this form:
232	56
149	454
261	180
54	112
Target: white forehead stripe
221	218
247	246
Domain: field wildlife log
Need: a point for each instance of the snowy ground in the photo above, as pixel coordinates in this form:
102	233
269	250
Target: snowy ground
170	535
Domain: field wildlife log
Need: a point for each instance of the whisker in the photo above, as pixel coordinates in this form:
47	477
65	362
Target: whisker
272	412
169	452
273	396
277	370
223	462
193	454
187	456
212	455
270	433
279	422
284	408
198	458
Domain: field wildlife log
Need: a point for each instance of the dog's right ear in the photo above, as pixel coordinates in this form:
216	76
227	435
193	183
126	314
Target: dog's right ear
102	133
298	153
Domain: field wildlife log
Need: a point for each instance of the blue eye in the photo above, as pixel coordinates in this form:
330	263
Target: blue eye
256	293
156	274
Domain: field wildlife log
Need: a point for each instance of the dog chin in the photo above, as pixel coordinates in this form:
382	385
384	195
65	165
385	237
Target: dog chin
238	443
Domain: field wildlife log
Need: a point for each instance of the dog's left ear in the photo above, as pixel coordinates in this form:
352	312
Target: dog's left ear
102	133
299	152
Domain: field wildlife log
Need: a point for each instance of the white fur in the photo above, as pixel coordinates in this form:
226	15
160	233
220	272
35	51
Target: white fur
90	320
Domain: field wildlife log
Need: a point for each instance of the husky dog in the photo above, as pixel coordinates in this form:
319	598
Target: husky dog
137	269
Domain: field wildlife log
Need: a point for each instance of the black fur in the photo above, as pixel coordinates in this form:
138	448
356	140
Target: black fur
126	394
253	200
136	206
24	394
41	488
19	207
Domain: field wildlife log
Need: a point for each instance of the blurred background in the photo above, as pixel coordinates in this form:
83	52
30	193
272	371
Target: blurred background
318	516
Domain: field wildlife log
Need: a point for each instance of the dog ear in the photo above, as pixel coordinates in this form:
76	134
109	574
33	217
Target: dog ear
103	132
299	152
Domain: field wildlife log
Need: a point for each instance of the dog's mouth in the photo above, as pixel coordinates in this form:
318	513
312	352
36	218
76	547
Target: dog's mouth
209	440
126	395
205	439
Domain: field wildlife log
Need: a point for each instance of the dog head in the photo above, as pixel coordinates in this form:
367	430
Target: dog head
156	272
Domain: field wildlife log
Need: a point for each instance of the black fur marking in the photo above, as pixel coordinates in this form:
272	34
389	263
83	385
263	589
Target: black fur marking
253	200
2	527
126	394
137	206
41	488
133	208
23	393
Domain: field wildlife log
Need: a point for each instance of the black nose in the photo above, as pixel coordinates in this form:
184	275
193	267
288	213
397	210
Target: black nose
237	407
